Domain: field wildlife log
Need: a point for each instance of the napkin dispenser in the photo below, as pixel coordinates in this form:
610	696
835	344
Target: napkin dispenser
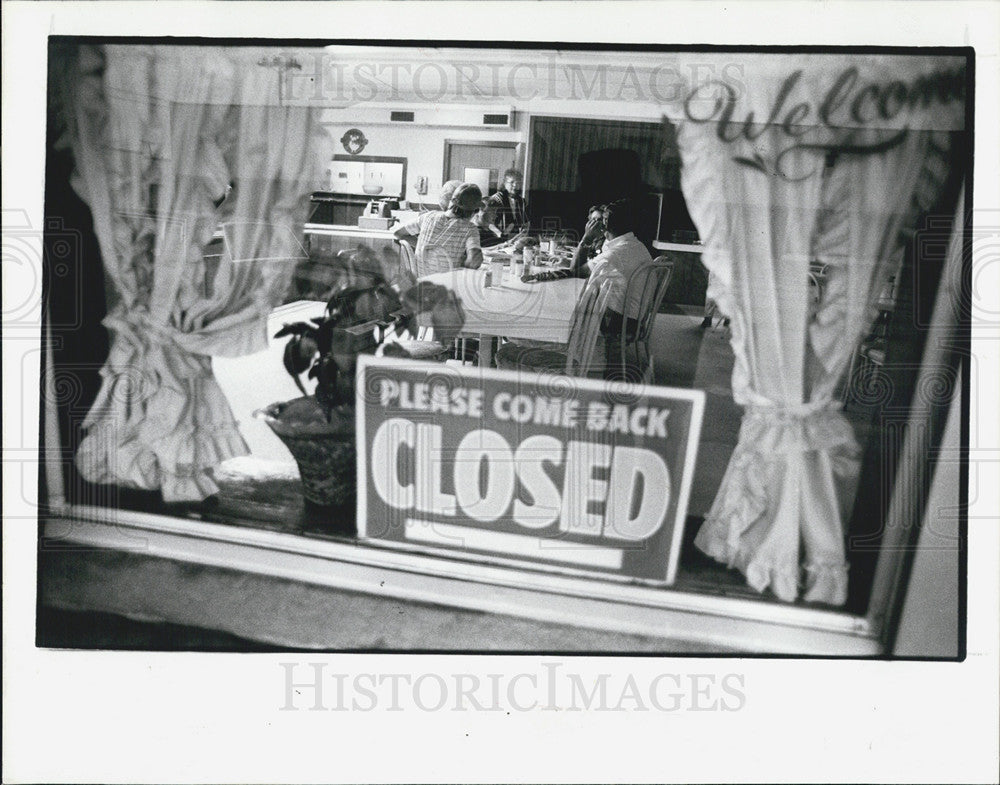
376	215
367	222
381	209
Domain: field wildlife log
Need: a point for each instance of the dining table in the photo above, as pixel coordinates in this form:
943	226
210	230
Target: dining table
534	310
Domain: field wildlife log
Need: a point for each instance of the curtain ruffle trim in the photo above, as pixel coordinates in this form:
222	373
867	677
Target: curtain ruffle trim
826	582
770	438
816	582
782	579
187	477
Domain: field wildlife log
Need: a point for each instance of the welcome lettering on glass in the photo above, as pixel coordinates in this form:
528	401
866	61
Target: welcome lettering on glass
845	108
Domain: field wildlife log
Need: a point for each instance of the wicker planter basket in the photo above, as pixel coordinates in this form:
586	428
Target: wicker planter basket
325	452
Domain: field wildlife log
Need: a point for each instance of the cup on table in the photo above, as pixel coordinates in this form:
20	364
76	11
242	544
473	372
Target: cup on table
529	260
496	269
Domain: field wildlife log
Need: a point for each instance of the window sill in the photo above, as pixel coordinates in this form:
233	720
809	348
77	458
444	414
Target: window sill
748	625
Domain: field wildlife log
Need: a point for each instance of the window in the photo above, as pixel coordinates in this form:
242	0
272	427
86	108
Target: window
880	377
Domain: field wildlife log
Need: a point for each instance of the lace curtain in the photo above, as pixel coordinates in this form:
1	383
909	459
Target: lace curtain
768	203
158	133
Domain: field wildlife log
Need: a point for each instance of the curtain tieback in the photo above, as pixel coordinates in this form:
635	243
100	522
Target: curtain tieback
798	428
137	326
139	336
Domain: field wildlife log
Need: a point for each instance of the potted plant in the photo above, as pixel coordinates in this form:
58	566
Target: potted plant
318	429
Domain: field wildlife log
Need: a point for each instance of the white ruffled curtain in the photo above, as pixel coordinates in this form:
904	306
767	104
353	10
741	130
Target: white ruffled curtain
158	133
780	511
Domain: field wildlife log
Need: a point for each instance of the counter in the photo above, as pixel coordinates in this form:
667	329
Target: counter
342	254
340	230
689	281
682	247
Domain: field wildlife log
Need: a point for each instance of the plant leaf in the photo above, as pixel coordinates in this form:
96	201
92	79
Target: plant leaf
290	360
394	350
448	319
409	324
424	296
298	328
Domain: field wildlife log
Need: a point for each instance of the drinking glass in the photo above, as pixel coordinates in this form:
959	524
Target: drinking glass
496	267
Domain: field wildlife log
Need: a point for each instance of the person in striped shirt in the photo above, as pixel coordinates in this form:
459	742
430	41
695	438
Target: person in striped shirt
447	240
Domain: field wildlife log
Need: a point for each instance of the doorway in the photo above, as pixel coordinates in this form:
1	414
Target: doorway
486	160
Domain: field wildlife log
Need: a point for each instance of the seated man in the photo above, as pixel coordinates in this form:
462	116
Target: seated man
489	234
596	214
447	240
620	254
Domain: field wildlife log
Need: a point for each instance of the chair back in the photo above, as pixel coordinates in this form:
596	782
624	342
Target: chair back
408	257
585	328
815	289
647	284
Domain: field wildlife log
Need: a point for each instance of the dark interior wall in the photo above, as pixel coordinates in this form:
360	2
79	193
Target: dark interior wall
579	162
73	283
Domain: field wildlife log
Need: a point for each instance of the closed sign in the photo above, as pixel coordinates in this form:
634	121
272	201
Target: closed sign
565	473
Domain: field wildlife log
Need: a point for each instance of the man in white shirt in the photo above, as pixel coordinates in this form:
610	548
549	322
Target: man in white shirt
621	253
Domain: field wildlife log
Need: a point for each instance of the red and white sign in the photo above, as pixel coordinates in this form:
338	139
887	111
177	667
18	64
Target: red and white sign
564	473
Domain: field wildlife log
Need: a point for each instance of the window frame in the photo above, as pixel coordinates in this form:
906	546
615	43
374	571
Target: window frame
758	626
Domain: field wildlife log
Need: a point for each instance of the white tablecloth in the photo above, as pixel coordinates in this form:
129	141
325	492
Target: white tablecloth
539	311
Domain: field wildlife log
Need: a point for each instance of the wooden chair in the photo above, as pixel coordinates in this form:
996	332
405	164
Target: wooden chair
815	289
460	352
423	347
578	357
407	257
862	384
647	284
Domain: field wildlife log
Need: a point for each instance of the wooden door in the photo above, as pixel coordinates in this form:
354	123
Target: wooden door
495	156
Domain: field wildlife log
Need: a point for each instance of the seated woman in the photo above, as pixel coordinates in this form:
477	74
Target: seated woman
447	191
447	240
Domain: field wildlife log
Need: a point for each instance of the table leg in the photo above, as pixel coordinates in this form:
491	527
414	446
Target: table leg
485	351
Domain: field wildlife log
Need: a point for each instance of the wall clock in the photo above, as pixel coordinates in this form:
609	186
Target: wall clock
354	141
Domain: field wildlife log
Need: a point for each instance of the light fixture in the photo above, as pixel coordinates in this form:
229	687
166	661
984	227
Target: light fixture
282	64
